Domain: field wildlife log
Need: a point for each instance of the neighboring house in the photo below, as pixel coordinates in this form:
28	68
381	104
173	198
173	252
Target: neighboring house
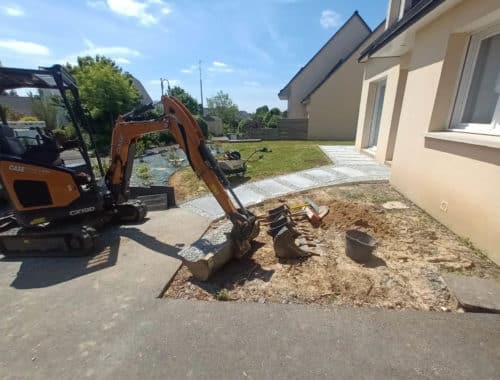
215	125
145	98
339	49
431	105
333	105
20	105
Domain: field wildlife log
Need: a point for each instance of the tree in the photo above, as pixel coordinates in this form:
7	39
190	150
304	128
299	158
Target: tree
185	98
270	114
273	121
222	106
106	91
260	114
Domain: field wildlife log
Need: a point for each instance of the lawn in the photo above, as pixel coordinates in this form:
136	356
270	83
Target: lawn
285	157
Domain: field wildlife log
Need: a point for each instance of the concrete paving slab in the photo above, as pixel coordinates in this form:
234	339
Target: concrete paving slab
207	204
297	180
349	172
321	175
248	195
272	188
209	253
474	293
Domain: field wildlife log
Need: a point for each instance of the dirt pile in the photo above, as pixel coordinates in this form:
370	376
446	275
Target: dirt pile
412	252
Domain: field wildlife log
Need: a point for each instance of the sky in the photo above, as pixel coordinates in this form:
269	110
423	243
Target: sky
248	49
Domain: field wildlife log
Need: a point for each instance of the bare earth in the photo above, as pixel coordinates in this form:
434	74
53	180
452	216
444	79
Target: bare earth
413	250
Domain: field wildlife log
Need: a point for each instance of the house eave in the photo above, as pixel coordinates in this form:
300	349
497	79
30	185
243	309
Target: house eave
398	39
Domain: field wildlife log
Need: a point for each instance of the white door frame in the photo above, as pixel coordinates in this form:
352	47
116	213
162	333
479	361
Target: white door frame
378	106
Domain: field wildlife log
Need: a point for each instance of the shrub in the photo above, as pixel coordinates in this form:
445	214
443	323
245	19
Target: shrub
144	174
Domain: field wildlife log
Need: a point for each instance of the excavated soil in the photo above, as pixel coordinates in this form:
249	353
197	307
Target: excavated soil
413	251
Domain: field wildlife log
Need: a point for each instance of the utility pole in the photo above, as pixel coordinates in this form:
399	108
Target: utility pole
161	84
201	89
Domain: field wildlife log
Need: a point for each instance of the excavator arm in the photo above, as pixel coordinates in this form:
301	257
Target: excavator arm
178	120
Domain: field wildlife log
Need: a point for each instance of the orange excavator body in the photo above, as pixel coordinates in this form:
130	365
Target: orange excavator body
180	123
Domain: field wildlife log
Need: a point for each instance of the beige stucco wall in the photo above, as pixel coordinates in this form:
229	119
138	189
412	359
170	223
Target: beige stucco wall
351	35
455	182
333	108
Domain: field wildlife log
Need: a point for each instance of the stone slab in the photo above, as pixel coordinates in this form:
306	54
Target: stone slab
209	253
272	187
350	172
207	204
321	175
474	293
248	196
297	181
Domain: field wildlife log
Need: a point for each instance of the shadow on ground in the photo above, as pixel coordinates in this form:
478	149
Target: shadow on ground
41	272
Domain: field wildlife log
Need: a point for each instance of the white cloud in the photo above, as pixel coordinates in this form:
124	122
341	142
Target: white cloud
330	19
144	10
121	60
251	83
24	47
220	67
120	54
13	11
189	70
166	10
219	64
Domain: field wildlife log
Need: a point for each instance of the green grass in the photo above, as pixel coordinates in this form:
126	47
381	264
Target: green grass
285	157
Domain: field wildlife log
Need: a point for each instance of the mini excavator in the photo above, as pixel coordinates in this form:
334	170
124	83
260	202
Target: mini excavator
58	210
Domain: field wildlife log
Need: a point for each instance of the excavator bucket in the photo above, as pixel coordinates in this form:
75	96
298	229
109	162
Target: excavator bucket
281	228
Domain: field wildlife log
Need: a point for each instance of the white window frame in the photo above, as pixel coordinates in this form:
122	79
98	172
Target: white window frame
464	88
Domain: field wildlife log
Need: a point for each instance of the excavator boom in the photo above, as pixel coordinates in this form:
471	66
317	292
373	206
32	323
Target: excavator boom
178	120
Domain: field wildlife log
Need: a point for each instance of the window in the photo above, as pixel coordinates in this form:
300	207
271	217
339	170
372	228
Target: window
477	109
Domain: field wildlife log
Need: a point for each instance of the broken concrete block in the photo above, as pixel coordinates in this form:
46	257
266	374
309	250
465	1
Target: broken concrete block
474	293
210	252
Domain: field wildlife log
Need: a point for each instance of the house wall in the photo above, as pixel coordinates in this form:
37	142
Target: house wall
22	105
333	108
315	71
215	126
457	182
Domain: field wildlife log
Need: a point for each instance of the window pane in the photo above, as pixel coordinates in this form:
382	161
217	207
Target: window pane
485	87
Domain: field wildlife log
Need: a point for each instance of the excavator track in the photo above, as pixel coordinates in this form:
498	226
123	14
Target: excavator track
133	211
65	240
62	240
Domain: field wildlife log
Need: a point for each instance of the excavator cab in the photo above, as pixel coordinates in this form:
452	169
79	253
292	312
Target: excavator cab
40	188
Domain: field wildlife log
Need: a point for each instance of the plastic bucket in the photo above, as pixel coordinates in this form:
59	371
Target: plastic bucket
359	246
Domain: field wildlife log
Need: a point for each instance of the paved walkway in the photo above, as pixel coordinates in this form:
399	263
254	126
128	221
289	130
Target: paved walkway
348	166
138	337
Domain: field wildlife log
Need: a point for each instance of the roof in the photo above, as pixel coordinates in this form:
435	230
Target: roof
11	78
415	13
340	63
145	98
355	14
